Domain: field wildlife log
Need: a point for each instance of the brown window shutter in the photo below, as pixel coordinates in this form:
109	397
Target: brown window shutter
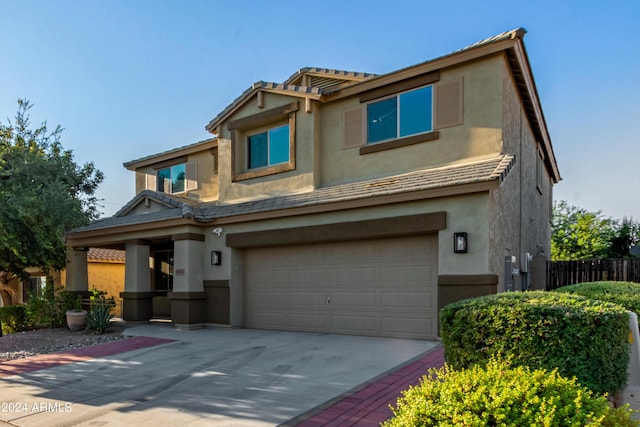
191	175
448	104
353	128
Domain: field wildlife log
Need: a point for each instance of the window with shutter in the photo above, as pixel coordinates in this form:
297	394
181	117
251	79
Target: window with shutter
191	182
448	103
173	179
353	131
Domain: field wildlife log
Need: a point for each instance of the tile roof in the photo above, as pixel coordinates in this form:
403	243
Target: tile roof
328	73
493	169
330	87
109	255
163	153
482	171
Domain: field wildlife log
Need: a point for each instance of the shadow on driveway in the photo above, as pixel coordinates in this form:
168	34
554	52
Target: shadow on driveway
231	377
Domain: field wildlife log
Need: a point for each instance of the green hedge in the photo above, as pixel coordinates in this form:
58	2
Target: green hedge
580	337
502	396
626	294
13	317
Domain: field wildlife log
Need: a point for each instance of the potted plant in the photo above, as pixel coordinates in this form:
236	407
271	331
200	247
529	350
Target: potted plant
77	317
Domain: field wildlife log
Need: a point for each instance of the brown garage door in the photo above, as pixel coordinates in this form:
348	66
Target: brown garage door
383	287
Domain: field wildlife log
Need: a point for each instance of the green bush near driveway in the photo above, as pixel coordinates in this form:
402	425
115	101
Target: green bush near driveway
580	337
626	294
499	395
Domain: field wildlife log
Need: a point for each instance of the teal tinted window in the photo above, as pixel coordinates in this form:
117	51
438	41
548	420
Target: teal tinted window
171	180
279	145
177	178
415	111
406	114
257	151
268	148
164	180
382	118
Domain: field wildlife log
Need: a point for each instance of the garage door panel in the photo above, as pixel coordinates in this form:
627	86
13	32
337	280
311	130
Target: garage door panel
353	299
383	287
406	273
306	321
266	258
265	277
407	300
306	298
306	277
351	253
266	299
353	274
311	255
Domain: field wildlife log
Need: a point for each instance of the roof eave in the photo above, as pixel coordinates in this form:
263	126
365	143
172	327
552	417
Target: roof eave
168	155
247	95
452	59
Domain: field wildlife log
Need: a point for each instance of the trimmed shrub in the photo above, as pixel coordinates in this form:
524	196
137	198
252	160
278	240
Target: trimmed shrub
502	396
626	294
580	337
14	318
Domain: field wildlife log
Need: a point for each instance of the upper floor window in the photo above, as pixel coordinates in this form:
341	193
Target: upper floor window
172	179
263	143
408	113
268	148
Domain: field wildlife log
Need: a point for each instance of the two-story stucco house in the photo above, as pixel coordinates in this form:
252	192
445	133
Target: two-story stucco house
343	202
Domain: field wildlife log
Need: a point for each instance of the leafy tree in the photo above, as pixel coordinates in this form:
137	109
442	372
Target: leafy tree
43	194
580	234
625	237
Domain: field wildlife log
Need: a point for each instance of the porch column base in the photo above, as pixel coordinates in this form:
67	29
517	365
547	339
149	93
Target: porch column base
137	306
188	309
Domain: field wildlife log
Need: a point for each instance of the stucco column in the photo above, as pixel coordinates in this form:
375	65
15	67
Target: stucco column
77	270
188	299
137	295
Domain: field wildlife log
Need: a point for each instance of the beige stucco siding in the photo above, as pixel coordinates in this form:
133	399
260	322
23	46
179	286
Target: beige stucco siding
207	189
478	137
464	213
520	210
280	183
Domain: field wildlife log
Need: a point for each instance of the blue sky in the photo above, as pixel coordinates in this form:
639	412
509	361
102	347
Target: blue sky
131	78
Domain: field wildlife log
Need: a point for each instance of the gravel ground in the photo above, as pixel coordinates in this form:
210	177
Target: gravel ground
41	341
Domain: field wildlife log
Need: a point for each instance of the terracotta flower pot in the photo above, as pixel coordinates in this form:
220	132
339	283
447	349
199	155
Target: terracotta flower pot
76	320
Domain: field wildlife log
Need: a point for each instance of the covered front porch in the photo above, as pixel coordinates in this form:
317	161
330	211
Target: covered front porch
163	280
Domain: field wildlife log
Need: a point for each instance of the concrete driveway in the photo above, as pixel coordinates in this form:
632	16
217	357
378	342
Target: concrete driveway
207	377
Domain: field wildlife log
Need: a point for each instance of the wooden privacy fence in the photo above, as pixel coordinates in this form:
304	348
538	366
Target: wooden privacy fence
563	273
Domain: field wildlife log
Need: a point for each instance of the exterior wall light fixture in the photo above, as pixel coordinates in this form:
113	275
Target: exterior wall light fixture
460	243
216	257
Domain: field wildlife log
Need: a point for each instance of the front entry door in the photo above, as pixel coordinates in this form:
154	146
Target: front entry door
162	282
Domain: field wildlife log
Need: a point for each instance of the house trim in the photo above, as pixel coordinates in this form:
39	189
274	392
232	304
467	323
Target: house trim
400	142
422	68
343	231
198	147
263	118
363	203
401	86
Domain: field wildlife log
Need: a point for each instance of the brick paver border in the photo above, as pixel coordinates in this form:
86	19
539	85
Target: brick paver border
50	360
